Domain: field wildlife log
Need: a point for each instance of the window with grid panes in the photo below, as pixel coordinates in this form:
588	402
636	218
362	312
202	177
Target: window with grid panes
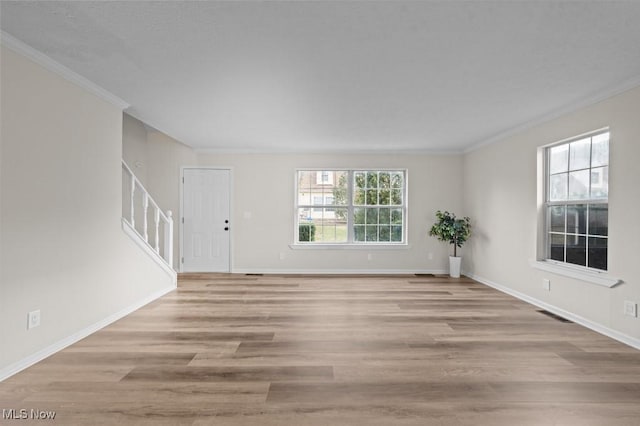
350	206
577	189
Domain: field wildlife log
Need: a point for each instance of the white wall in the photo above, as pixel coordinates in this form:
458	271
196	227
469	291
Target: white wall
135	147
263	185
500	185
62	249
263	188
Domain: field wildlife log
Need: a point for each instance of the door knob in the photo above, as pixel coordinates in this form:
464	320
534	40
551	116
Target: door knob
226	228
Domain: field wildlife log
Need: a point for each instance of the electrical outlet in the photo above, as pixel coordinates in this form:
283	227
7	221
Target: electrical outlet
630	308
369	257
546	284
33	319
282	256
430	256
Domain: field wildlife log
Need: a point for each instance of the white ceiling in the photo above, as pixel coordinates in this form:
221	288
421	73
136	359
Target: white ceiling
340	76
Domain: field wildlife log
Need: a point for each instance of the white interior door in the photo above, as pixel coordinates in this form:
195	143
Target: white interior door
206	227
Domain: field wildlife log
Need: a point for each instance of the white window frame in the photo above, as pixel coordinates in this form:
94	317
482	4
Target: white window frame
543	261
350	243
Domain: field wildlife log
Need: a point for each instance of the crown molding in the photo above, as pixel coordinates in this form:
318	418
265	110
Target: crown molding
276	151
583	103
45	61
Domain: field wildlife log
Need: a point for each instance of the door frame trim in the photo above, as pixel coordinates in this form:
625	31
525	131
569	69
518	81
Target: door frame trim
231	214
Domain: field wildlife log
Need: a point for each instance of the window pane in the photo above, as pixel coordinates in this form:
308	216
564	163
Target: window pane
304	214
598	219
396	233
324	177
385	233
556	218
306	231
304	198
600	150
359	179
577	250
304	187
600	182
384	180
558	187
385	216
559	159
580	154
579	185
385	197
396	216
396	197
359	216
358	233
372	197
330	229
598	253
372	216
397	180
339	191
371	233
556	247
372	180
359	197
577	219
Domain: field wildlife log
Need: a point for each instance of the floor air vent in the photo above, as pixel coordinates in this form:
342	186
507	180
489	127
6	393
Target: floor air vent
425	275
254	275
555	317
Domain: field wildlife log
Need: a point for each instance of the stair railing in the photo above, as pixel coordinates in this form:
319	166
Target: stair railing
137	207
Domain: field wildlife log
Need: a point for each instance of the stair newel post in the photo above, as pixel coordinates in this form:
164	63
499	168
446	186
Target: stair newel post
145	210
133	204
168	239
156	218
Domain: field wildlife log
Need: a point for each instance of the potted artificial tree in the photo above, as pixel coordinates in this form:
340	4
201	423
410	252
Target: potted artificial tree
454	231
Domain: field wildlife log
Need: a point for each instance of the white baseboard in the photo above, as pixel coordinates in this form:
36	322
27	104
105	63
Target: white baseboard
79	335
599	328
339	271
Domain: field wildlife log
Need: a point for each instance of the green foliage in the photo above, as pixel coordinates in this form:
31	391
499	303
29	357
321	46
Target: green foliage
306	232
340	196
451	230
377	189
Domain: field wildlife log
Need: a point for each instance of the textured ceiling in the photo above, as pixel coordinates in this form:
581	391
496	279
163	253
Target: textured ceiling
339	76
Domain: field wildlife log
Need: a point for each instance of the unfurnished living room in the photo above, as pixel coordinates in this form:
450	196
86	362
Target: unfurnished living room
320	212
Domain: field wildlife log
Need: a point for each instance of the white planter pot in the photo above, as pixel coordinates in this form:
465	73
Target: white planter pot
454	266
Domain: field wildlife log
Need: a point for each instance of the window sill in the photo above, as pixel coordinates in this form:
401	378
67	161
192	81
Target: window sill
593	277
349	246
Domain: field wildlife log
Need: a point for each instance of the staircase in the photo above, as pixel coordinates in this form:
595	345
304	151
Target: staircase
145	222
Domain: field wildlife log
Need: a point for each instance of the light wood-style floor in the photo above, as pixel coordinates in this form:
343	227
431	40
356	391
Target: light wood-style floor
304	350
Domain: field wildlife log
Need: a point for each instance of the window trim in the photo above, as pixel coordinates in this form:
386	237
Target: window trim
594	276
350	243
546	203
582	273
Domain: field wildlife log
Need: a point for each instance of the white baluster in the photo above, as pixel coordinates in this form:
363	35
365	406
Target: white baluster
145	208
156	218
133	192
168	239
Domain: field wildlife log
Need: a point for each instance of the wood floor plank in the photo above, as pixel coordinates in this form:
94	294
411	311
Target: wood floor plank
407	350
414	391
228	374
